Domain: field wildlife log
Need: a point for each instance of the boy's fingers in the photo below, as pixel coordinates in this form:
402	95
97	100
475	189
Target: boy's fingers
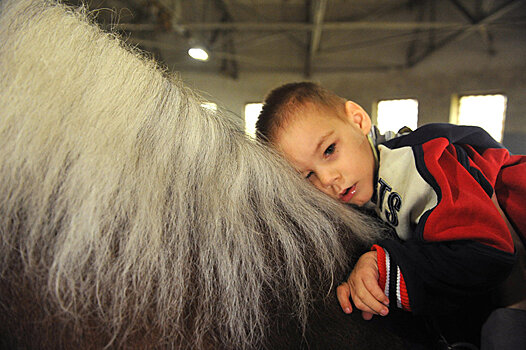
370	301
374	288
361	305
344	292
364	302
367	315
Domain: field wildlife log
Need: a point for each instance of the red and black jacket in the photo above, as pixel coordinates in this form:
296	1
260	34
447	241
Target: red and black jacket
434	187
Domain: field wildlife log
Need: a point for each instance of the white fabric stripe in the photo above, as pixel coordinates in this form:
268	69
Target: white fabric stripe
387	271
398	296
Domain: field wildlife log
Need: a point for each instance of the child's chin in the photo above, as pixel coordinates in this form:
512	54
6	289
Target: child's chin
360	202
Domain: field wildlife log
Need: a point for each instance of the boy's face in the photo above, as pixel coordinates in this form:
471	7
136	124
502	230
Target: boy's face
332	152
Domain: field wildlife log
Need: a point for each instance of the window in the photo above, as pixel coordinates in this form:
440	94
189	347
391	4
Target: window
486	111
392	115
251	117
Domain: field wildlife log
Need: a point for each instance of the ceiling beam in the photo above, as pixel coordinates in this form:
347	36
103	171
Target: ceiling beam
484	33
216	53
298	26
229	65
413	45
464	10
501	11
318	12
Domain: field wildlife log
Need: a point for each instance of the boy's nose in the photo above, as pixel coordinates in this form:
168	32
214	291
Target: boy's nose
328	178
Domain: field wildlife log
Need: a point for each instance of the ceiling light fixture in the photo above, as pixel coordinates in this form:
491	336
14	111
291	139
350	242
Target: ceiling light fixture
198	53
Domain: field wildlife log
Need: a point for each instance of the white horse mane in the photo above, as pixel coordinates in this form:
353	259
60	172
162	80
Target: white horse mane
132	215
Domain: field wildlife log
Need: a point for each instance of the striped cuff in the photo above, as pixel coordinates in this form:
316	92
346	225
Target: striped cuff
391	280
380	253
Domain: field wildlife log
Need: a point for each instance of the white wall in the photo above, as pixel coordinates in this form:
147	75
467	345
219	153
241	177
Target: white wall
432	88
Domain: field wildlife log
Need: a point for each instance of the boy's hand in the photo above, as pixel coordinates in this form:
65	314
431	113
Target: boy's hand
363	286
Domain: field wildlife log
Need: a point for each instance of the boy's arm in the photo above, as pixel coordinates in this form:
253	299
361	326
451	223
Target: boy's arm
430	277
441	275
461	246
362	285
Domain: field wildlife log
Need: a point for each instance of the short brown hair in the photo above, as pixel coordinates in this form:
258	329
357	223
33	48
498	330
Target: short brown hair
288	98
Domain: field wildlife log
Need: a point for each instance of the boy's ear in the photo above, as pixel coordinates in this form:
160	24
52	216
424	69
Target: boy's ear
357	115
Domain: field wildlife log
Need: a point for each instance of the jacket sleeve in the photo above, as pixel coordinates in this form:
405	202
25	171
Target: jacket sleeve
436	277
461	246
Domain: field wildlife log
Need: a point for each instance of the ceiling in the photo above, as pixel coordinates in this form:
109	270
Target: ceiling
312	36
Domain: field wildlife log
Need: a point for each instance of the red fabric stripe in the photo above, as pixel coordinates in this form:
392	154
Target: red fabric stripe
469	211
404	297
511	192
381	265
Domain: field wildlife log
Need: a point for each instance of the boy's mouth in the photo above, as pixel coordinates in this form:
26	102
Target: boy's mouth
347	195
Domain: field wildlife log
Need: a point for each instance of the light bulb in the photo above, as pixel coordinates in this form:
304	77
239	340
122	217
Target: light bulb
198	54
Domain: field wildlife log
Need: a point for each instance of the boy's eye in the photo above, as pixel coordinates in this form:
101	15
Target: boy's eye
309	174
329	150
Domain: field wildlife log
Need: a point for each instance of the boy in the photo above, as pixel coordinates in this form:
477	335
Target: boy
439	187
